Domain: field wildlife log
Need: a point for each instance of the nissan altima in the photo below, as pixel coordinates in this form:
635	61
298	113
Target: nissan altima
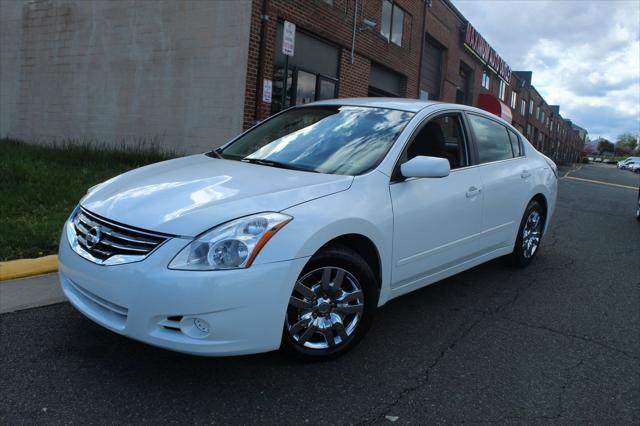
292	234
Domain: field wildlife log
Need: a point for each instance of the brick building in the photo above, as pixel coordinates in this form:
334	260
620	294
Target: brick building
436	54
336	53
190	74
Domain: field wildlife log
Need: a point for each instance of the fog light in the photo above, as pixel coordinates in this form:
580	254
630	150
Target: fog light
196	328
201	325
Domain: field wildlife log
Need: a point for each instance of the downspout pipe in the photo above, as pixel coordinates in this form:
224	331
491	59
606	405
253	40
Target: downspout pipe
422	38
353	37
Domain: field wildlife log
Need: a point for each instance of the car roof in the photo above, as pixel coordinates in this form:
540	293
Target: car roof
402	104
409	105
412	105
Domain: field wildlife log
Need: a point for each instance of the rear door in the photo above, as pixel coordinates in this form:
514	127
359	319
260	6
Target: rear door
505	181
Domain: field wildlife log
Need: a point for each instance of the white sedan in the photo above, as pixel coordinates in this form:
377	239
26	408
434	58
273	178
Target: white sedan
291	235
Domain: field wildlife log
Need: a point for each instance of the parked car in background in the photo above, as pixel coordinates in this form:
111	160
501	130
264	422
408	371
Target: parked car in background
638	207
598	160
623	163
295	232
633	166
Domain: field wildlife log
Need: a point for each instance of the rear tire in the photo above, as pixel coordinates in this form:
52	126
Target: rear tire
529	235
331	306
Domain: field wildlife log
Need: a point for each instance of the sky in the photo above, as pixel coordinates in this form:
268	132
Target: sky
584	54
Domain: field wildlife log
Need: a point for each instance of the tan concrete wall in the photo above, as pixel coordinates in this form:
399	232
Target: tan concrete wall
124	71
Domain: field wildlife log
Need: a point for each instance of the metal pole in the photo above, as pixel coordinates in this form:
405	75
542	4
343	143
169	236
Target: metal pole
264	20
285	78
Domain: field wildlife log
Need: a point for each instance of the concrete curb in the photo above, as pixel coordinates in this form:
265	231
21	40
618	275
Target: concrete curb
21	268
32	292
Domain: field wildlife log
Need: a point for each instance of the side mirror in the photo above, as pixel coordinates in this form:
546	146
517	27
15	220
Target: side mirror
425	167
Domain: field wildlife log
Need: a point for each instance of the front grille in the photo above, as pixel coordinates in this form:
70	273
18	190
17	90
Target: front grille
104	239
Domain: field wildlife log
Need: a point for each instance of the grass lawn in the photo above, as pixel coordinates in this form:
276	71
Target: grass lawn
40	186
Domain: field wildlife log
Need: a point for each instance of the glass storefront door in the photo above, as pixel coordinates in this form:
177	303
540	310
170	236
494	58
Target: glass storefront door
312	73
305	88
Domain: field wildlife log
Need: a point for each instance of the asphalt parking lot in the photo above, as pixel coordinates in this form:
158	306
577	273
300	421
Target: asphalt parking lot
558	342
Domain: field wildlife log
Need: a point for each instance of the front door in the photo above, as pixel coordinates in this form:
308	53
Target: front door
436	220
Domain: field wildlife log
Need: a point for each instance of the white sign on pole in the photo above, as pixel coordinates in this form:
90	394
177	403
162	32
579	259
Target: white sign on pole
267	90
288	38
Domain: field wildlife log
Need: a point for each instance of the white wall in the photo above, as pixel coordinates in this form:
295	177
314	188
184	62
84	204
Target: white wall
114	71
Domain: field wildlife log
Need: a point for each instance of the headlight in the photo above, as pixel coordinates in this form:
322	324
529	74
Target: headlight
231	245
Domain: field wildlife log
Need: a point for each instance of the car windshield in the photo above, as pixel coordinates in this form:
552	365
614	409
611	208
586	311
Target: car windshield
348	140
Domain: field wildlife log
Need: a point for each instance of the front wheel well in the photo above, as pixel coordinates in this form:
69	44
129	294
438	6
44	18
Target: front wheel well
543	202
364	247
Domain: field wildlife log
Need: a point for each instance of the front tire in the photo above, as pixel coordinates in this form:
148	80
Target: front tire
331	306
529	235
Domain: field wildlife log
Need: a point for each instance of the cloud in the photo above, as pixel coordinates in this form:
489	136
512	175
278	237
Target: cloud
585	55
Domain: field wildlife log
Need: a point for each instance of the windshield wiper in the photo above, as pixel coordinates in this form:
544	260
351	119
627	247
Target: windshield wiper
215	153
278	164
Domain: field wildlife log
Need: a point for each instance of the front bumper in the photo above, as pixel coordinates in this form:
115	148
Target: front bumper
244	309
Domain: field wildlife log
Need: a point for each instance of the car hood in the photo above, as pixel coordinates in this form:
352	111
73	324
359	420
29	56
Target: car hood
189	195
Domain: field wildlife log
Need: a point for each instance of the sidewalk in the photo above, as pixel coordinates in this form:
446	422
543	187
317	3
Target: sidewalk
31	292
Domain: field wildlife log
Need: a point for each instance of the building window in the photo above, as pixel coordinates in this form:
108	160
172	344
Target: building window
542	118
311	74
538	113
392	22
384	82
502	92
463	93
523	107
529	131
329	2
486	80
531	107
514	100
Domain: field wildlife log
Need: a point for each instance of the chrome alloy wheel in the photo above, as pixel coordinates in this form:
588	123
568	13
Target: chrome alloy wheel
531	234
325	308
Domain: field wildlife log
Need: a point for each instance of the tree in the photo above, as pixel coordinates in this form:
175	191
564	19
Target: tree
629	140
622	149
605	146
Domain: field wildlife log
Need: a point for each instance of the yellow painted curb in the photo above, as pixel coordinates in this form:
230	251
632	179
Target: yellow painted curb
27	267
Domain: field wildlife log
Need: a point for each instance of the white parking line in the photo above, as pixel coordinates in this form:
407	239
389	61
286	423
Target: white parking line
571	171
599	182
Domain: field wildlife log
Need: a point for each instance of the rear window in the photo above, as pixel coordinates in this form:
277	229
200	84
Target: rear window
491	138
516	146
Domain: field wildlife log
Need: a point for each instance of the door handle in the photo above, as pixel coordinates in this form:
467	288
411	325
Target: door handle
525	174
473	191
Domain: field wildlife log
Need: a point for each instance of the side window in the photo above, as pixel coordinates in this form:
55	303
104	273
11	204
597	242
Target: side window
441	137
491	138
516	147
